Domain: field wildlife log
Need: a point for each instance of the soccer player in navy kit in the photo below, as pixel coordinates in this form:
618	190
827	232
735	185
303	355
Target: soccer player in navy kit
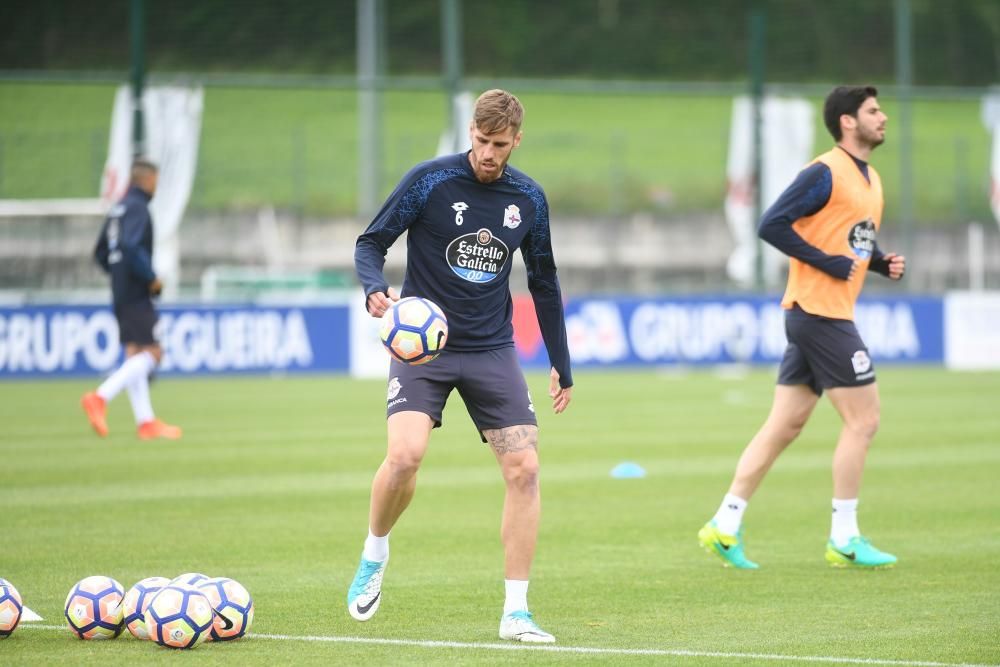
465	215
125	251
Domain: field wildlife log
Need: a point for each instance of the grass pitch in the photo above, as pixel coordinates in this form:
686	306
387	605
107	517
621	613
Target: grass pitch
270	487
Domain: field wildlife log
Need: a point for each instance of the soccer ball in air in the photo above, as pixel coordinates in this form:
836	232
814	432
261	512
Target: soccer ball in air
179	616
414	330
94	608
233	608
136	600
10	608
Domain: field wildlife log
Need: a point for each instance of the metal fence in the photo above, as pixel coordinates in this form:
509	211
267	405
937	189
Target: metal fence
628	105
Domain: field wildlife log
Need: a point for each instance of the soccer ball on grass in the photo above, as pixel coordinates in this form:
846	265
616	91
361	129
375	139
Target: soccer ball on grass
179	616
10	608
414	330
136	600
233	608
190	578
94	608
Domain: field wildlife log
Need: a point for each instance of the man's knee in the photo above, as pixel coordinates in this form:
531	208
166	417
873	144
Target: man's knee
405	455
409	433
865	424
520	470
787	427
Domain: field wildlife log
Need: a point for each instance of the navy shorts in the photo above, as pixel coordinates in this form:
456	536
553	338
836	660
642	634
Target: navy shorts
823	353
490	383
136	321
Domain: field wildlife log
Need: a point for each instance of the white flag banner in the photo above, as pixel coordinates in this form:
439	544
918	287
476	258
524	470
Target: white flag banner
787	136
172	116
369	359
995	174
991	119
456	139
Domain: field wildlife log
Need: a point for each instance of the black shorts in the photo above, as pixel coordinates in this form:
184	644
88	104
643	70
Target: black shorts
490	383
823	353
136	321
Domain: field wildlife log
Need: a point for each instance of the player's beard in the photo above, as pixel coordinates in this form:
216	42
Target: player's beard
489	176
872	138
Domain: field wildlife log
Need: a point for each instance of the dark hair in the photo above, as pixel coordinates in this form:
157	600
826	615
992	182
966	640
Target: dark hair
141	168
140	162
844	100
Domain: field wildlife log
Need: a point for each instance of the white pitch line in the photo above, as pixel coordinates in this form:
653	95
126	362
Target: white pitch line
586	650
612	651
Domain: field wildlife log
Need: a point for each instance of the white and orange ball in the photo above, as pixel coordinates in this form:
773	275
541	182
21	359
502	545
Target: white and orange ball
179	616
136	600
233	607
94	608
10	608
414	330
190	578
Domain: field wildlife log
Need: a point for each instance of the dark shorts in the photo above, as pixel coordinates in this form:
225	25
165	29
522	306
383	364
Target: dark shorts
136	322
490	383
823	353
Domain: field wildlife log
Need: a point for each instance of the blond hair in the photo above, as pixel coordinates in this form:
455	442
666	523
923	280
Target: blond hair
496	110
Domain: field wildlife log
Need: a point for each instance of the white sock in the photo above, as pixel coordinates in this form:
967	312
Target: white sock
517	596
138	396
845	521
137	365
730	514
376	548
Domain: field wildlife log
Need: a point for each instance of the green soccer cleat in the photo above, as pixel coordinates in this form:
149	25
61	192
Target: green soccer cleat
858	552
727	547
365	593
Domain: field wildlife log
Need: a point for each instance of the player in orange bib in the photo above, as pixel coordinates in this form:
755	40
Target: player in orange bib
826	221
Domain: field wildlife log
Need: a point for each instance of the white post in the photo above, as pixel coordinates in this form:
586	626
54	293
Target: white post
977	258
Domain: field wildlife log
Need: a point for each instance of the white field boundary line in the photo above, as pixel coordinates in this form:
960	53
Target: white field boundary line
584	650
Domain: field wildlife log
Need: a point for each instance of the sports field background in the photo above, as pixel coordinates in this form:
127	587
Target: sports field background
269	486
597	155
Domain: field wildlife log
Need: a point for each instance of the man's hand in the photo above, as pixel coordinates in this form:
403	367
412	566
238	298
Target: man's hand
560	397
155	287
854	269
897	265
379	302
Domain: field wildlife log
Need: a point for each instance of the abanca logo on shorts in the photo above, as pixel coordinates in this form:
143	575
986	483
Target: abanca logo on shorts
394	387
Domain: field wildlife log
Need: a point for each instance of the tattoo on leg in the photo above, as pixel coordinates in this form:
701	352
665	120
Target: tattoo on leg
512	439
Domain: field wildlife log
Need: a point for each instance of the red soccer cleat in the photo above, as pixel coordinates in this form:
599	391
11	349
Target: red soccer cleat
96	410
155	428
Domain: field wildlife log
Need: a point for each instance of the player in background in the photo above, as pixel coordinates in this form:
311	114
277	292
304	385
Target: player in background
465	215
125	251
826	221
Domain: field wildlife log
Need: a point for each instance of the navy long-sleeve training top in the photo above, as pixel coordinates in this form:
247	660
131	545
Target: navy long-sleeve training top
125	247
461	235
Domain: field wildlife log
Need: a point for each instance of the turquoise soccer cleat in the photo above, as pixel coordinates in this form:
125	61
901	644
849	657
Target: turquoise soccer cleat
727	547
858	552
365	594
519	626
